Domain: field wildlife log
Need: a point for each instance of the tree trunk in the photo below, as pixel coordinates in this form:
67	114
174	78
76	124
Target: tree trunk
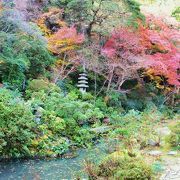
89	29
110	79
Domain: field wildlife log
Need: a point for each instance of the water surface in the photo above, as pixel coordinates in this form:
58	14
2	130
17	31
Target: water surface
52	169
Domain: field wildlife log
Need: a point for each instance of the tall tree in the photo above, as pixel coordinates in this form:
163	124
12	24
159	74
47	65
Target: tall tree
125	56
89	13
63	43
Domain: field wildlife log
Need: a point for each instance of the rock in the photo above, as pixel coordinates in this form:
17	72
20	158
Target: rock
38	120
101	129
164	131
54	155
151	142
69	155
155	153
172	153
39	111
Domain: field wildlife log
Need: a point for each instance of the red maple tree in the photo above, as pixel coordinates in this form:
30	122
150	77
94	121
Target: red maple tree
162	42
154	45
125	55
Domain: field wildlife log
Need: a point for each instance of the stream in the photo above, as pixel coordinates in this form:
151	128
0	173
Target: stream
53	169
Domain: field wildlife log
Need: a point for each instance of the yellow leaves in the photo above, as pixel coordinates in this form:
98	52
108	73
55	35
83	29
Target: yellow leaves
43	27
61	23
1	62
61	62
68	48
159	86
106	99
44	137
41	22
61	42
64	40
157	79
138	86
61	45
35	143
149	72
49	152
55	14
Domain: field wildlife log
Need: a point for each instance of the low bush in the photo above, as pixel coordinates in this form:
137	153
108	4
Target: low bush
48	123
16	126
120	166
72	116
38	85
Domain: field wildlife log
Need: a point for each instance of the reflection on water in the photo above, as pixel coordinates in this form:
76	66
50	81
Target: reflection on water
54	169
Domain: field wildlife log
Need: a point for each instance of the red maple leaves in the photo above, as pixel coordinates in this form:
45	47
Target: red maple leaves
123	43
156	43
163	53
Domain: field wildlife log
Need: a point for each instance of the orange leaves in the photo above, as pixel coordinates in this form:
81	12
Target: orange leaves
64	40
54	13
43	27
157	79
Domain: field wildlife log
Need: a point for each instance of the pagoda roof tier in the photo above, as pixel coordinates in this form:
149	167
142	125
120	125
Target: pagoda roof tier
82	86
83	74
81	82
82	78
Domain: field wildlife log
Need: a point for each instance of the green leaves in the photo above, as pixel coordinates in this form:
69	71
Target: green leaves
137	16
23	54
176	13
16	126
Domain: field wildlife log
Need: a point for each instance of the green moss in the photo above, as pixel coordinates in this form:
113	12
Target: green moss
122	166
174	138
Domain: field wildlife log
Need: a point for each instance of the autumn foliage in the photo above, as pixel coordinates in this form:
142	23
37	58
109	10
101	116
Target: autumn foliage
153	47
123	43
65	39
52	14
63	43
125	55
162	43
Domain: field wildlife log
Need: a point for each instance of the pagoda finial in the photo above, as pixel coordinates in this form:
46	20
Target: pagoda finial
84	67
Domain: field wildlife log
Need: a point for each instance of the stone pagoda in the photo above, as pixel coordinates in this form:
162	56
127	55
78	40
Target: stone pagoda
83	82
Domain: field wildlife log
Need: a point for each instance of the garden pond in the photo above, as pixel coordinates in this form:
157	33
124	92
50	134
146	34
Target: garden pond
57	168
